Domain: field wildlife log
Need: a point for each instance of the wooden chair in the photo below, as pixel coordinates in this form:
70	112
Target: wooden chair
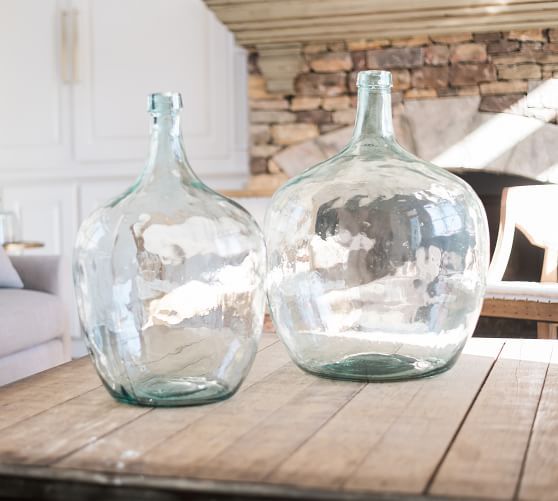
533	210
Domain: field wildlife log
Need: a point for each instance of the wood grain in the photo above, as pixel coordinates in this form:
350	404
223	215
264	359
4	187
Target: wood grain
471	432
486	458
288	21
530	310
540	478
373	443
36	394
124	448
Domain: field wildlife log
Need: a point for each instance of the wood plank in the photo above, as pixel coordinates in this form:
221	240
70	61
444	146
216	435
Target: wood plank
373	442
122	450
295	9
540	478
365	32
373	19
272	441
196	445
397	27
485	459
35	394
530	310
44	436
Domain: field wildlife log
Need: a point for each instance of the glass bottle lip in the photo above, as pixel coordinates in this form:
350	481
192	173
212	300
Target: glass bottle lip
374	79
164	102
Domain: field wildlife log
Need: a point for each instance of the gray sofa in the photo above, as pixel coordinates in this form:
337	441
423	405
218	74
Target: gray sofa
33	324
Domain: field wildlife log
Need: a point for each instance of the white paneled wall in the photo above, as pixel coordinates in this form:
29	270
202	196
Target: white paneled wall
74	76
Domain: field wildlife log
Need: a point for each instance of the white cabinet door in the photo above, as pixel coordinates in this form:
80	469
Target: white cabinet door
130	48
33	129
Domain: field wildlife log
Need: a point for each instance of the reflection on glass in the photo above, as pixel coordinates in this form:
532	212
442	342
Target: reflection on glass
376	259
169	281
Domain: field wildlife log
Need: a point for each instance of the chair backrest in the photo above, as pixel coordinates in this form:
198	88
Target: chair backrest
533	211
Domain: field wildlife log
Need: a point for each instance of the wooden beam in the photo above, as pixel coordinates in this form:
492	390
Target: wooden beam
294	21
529	310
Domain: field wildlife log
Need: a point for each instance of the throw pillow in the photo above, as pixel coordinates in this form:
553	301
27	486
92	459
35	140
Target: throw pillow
9	279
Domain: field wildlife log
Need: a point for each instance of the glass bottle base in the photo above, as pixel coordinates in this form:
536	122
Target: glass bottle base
378	367
168	392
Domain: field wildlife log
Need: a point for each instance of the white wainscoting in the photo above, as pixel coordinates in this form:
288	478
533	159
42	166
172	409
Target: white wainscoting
74	130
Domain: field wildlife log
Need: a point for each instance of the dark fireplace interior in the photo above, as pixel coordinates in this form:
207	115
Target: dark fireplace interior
525	260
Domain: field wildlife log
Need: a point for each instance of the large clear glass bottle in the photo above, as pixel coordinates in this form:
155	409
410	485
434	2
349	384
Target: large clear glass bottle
169	281
376	259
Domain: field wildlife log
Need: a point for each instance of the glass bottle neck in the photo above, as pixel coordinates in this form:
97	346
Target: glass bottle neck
373	124
166	151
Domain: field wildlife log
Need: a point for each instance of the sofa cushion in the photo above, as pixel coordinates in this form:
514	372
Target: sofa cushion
28	318
8	274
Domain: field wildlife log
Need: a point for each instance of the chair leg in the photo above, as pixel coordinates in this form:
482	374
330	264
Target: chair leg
547	331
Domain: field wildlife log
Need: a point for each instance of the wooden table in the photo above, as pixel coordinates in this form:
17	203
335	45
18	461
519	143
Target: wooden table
486	429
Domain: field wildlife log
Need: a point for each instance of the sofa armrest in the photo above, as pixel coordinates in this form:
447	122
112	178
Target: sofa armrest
38	273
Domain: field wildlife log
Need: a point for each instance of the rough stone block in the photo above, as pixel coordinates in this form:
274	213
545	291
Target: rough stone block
344	117
271	117
499	104
468	53
321	84
470	74
453	38
534	35
314	117
264	150
466	90
430	77
296	158
420	93
507	87
258	165
269	104
436	55
293	133
409	57
524	55
336	103
260	134
331	62
327	128
257	88
305	103
502	47
314	48
489	36
367	44
553	35
416	41
519	71
401	79
338	46
359	60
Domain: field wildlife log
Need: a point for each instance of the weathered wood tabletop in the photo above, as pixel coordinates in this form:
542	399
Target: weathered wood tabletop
487	429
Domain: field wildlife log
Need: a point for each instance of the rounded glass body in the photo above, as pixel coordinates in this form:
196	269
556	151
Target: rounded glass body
377	260
169	282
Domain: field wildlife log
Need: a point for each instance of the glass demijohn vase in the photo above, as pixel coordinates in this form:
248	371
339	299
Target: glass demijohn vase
169	281
377	260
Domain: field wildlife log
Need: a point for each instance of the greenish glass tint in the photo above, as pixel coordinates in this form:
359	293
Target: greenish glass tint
377	260
169	281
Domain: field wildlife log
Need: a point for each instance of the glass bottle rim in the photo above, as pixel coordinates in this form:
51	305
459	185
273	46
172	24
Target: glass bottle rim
164	102
374	79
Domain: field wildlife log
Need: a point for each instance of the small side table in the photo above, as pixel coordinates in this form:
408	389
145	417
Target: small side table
18	248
